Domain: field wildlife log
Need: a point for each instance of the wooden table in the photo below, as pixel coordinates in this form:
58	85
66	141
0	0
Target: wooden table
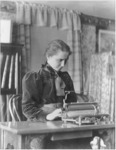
15	134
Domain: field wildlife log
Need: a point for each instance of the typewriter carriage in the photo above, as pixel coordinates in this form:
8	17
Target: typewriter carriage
83	113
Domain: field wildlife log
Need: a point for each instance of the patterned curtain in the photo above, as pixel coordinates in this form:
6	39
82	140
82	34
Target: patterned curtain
74	63
21	35
102	82
88	46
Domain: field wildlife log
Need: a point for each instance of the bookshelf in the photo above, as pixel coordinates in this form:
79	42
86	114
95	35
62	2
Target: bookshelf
10	66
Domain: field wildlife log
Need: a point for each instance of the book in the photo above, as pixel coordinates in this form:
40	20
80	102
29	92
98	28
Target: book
2	64
5	72
11	73
16	71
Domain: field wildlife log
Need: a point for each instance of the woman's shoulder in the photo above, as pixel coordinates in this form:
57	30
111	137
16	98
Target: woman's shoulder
32	74
35	74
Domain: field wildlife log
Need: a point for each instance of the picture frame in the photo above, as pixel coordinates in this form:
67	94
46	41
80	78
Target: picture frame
106	41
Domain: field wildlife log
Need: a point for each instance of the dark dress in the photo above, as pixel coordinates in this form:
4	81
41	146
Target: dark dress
40	98
39	90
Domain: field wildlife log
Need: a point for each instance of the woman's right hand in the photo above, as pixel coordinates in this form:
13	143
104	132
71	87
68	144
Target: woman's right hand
56	113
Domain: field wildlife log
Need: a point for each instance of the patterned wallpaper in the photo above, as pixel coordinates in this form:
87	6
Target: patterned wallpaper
7	6
7	10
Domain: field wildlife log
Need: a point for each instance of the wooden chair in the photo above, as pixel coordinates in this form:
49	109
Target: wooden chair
15	108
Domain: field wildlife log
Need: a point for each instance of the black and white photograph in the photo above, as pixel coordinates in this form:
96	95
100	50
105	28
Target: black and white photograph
57	74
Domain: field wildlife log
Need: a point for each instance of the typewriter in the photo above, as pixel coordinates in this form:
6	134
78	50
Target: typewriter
82	112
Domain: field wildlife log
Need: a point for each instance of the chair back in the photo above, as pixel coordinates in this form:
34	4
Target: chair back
15	108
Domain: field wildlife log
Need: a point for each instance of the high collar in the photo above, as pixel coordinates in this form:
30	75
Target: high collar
47	67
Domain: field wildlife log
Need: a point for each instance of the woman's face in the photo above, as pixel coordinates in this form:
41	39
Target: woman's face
58	60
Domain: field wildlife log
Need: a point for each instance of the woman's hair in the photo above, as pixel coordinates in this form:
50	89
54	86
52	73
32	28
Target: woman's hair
55	46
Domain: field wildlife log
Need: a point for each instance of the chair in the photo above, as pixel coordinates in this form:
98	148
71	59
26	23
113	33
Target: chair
15	108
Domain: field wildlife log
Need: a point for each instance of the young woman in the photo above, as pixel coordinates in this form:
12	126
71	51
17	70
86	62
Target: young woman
43	91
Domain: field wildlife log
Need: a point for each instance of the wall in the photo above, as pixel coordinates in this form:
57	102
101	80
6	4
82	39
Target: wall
40	37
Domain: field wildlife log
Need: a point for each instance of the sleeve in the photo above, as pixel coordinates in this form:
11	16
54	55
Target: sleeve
32	91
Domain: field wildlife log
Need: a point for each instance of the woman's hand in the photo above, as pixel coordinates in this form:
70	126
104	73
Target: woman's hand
56	113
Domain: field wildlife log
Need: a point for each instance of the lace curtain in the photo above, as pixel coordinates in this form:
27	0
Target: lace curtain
102	82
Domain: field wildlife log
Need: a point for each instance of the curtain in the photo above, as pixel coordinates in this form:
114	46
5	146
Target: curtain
33	13
101	83
63	19
74	63
88	46
21	35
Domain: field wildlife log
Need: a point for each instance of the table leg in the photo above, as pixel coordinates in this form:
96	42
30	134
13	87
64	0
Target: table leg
12	141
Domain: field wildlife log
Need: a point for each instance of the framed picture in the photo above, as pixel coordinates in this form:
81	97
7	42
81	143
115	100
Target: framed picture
106	41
